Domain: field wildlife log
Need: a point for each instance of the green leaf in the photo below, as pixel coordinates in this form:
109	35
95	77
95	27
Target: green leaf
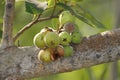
51	3
55	23
35	7
82	15
85	13
49	11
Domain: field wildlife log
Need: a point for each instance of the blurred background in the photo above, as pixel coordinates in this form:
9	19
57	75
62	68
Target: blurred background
106	11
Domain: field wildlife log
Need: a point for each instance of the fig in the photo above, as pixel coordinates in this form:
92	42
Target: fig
65	38
51	39
76	37
44	55
39	40
69	27
68	51
60	50
65	17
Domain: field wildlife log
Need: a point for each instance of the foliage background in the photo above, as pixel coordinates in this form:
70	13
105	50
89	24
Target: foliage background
103	10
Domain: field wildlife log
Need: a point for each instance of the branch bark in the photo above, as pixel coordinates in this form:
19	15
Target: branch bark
7	39
22	62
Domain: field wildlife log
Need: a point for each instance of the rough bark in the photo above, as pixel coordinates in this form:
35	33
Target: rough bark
22	62
7	39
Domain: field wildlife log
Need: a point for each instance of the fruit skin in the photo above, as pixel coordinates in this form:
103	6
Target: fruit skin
69	27
44	55
51	39
60	50
76	37
39	40
65	38
46	30
68	51
39	37
65	17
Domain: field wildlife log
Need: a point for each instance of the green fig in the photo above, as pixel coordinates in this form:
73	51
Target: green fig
39	37
65	38
65	17
76	37
68	51
44	55
39	40
51	39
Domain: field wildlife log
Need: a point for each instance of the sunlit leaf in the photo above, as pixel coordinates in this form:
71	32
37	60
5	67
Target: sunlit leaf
35	7
55	23
51	3
83	15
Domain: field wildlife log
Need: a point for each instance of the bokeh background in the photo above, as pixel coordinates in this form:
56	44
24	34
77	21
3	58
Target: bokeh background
104	10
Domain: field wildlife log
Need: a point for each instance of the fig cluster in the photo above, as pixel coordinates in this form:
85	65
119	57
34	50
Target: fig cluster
57	43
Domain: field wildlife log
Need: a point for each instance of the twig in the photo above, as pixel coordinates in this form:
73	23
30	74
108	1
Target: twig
25	28
29	25
48	18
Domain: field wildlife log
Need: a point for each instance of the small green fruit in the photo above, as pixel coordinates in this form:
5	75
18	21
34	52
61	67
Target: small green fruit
51	39
65	38
44	55
39	40
39	37
68	51
65	17
69	27
76	37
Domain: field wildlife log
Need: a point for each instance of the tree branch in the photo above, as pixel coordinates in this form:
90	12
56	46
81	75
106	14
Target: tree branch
22	62
7	39
29	25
